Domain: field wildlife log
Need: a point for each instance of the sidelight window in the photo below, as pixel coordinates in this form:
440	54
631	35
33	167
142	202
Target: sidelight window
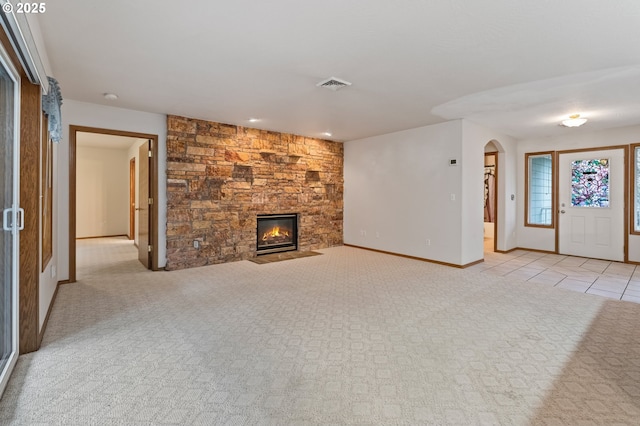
539	189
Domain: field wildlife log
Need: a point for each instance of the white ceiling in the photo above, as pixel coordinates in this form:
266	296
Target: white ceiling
518	66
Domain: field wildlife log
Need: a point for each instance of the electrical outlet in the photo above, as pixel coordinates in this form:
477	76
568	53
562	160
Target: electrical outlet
428	242
377	234
196	244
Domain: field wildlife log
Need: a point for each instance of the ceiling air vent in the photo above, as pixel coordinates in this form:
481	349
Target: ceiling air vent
333	83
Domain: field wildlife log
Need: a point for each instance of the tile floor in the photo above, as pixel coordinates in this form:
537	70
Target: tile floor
614	280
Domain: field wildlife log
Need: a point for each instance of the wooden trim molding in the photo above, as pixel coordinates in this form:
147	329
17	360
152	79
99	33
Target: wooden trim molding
597	148
72	204
422	259
533	250
627	180
627	207
633	189
153	175
102	236
30	139
506	251
29	267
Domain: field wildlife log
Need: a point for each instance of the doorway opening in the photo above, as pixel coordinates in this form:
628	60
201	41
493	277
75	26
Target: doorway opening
490	199
150	255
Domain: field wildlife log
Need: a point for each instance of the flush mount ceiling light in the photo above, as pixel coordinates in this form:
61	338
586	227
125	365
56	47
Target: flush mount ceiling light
327	134
110	96
254	120
574	120
333	83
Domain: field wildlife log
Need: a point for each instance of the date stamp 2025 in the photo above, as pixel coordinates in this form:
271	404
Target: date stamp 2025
24	7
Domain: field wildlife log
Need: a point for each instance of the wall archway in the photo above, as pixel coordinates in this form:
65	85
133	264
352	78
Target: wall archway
493	196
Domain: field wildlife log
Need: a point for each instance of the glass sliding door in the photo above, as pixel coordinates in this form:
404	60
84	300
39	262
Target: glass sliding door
12	217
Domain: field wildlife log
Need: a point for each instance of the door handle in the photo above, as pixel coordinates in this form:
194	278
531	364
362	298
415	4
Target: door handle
20	219
7	224
562	211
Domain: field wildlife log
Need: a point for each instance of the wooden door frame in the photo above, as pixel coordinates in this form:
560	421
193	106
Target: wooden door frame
495	201
625	220
30	333
153	176
132	199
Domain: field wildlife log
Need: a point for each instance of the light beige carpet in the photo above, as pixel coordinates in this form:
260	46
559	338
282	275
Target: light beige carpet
351	337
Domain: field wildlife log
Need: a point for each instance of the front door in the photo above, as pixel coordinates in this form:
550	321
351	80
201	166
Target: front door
591	204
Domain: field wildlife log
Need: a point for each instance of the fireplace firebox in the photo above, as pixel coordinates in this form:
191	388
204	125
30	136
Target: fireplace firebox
277	232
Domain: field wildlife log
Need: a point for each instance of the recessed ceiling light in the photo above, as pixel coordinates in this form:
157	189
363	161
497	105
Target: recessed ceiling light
254	120
110	96
574	120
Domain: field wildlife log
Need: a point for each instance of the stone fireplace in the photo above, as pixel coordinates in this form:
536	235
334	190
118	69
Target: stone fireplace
221	177
277	233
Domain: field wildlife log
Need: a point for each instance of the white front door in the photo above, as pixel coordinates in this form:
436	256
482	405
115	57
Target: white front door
591	204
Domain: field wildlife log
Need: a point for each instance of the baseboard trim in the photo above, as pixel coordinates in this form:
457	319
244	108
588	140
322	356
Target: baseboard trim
101	236
507	251
46	319
631	262
422	259
535	250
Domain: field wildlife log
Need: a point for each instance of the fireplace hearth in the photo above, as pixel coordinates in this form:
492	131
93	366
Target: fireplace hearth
277	233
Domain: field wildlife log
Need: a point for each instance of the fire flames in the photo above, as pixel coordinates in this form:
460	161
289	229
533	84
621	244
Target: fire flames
274	233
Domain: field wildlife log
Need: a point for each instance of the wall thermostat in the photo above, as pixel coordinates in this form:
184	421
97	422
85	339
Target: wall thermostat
453	162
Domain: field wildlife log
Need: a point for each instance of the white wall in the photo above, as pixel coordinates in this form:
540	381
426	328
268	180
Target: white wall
544	239
102	192
92	115
398	191
49	276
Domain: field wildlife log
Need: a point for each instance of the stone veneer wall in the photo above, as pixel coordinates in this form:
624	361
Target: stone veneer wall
220	177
